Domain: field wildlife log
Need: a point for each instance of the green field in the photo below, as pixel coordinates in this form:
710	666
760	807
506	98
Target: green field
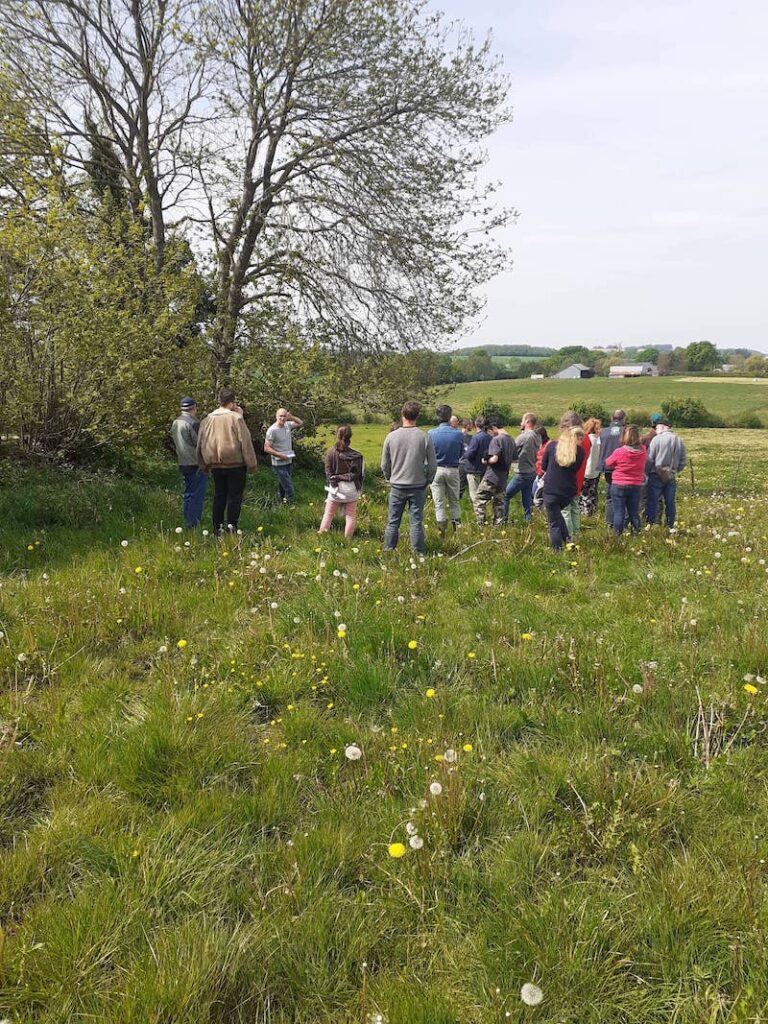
568	737
550	398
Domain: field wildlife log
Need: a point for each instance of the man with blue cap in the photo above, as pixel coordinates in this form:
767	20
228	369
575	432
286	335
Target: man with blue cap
184	431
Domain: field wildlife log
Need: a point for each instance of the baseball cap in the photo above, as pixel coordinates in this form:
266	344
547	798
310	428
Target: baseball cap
187	403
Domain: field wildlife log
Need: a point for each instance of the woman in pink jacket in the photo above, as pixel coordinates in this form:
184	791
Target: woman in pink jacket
627	464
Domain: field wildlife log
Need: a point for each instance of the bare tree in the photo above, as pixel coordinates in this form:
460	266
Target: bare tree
342	182
131	70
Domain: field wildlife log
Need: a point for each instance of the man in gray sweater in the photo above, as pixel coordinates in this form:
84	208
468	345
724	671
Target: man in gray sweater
408	463
184	431
666	458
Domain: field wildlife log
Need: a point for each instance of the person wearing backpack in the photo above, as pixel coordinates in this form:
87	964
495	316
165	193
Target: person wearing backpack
344	471
666	458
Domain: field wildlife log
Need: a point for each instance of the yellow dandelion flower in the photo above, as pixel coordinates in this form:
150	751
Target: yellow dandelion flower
30	547
467	748
412	645
396	850
471	655
341	634
750	688
527	636
139	570
181	644
429	692
135	854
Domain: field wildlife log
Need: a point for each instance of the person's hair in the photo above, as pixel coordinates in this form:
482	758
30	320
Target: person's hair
410	411
444	413
343	437
570	419
593	425
531	418
619	414
631	435
481	422
226	396
543	434
495	421
568	445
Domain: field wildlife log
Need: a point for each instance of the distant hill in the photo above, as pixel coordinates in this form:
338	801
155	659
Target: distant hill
529	351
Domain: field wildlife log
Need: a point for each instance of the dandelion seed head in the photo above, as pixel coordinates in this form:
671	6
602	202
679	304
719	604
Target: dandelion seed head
531	994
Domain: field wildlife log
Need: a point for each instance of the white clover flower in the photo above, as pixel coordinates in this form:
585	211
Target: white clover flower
531	994
123	543
435	788
122	590
205	533
353	752
415	842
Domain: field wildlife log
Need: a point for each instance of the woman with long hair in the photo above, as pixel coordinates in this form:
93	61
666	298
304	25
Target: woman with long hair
572	512
561	462
589	488
627	465
344	470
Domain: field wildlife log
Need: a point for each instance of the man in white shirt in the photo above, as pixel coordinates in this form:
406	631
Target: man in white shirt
279	445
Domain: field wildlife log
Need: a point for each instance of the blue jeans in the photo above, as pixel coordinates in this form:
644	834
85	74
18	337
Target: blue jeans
284	482
195	482
657	490
626	502
399	499
522	483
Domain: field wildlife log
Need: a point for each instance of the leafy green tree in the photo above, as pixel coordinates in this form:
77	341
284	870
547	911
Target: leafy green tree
702	356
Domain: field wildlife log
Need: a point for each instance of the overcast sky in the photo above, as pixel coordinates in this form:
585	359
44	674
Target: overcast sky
638	160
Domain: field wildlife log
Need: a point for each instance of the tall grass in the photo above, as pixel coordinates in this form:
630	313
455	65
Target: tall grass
182	838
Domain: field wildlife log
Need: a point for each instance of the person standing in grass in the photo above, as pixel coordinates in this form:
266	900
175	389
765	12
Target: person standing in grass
561	462
498	462
408	463
627	466
538	486
449	450
526	450
184	431
591	469
477	449
666	458
572	512
278	444
610	439
344	469
225	449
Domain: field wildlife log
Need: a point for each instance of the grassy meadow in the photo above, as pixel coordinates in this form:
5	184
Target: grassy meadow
284	778
726	396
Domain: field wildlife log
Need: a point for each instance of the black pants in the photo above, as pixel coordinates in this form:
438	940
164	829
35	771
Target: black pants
228	488
558	530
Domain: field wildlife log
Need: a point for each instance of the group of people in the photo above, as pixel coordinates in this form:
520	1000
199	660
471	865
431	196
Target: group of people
482	458
221	445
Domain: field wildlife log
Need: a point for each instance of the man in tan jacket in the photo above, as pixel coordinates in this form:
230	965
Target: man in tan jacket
225	449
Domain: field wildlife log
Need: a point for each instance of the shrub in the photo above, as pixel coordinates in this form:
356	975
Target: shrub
745	421
491	407
587	409
690	412
639	416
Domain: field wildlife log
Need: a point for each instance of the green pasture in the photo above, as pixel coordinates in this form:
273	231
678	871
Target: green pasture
727	397
562	777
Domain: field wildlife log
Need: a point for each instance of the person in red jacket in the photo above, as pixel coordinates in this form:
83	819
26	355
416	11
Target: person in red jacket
627	464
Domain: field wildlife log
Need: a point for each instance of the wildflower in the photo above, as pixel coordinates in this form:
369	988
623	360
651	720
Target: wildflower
750	688
531	994
527	636
429	692
410	828
471	655
396	850
205	533
123	543
21	657
341	633
179	529
637	688
30	547
273	605
134	854
450	756
435	788
355	586
412	645
181	644
139	570
353	752
467	748
415	842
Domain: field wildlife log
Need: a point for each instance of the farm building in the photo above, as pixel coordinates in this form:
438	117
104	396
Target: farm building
634	370
574	372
